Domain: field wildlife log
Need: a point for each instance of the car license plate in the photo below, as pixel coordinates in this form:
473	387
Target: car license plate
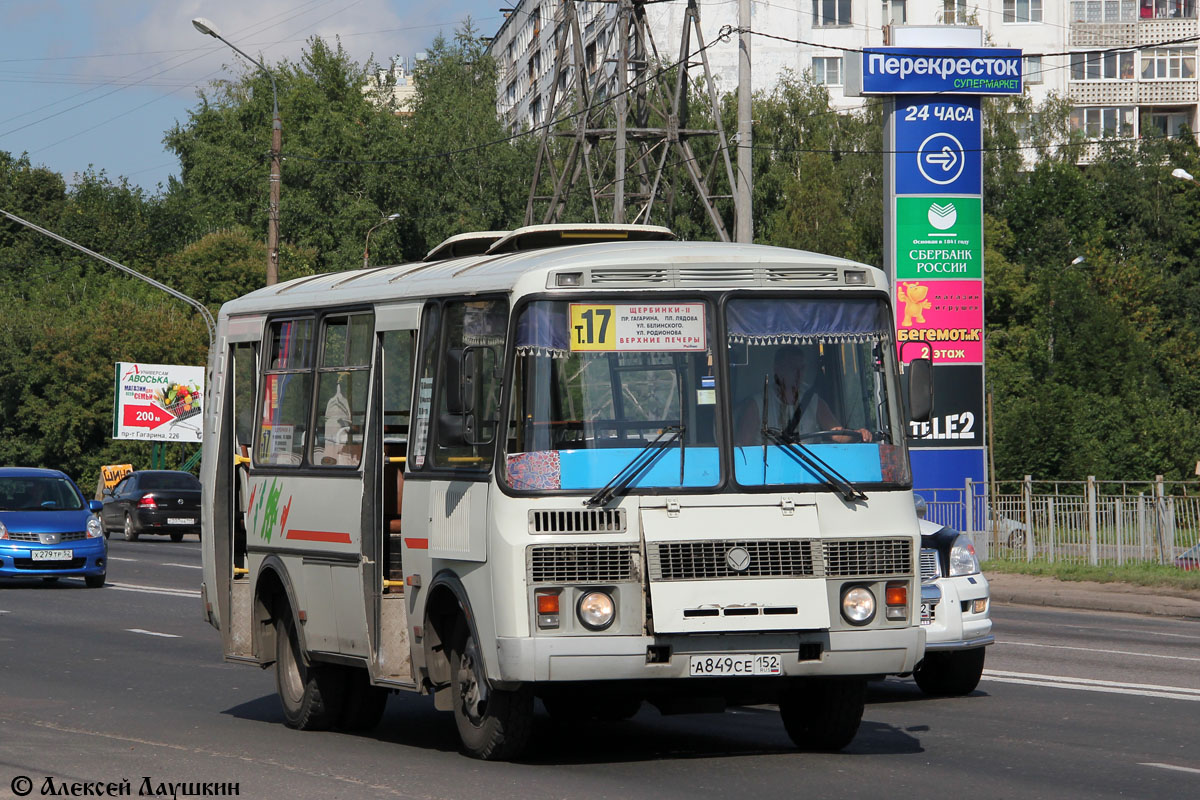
734	664
181	520
51	555
927	613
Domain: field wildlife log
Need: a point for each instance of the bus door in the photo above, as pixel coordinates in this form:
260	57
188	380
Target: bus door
237	437
396	336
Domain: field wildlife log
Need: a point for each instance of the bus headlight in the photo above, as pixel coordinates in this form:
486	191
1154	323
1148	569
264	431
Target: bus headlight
962	557
596	610
858	605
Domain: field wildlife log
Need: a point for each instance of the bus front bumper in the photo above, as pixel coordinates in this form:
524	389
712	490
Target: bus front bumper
809	654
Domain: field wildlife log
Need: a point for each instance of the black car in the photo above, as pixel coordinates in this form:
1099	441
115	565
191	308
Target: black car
159	501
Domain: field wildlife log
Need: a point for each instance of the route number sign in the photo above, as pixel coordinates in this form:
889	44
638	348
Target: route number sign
659	327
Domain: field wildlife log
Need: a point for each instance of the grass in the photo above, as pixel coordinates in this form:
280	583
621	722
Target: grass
1157	575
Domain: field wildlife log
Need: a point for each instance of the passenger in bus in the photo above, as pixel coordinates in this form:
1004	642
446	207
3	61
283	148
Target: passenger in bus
795	405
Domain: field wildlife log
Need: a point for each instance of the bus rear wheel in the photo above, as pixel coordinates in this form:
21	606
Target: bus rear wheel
493	724
823	714
311	694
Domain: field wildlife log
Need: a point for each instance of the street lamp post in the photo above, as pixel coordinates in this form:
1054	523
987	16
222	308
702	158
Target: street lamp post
367	244
208	29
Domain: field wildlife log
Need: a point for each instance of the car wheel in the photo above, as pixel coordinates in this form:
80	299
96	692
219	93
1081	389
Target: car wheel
823	714
950	674
364	704
176	536
311	694
492	723
130	534
94	581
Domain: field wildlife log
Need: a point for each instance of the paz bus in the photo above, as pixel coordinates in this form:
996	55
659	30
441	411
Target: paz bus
556	463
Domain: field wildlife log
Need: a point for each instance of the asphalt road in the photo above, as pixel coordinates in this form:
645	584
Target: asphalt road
127	684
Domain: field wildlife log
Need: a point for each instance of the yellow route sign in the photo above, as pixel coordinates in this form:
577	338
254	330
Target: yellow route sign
662	327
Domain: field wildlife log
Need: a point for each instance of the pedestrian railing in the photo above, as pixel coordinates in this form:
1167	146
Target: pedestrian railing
1087	522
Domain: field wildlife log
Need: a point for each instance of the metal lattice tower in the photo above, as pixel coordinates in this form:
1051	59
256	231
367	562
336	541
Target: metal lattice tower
606	115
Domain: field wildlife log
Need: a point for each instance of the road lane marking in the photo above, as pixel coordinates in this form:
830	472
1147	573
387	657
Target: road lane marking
186	566
131	560
154	633
1168	766
1092	685
1094	650
129	587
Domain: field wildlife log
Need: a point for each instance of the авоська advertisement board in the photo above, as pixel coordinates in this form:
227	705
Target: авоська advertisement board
157	402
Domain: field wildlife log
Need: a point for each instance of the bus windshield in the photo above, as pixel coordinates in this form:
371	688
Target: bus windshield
608	393
596	383
811	378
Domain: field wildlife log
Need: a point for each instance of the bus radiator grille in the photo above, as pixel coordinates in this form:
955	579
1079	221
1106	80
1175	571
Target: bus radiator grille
707	560
857	558
583	563
571	520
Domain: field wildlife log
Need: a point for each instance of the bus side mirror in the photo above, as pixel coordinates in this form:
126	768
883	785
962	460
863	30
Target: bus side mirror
458	384
920	389
456	430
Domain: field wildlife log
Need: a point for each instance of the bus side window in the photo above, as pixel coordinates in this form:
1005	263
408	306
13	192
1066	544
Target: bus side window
342	379
469	394
287	393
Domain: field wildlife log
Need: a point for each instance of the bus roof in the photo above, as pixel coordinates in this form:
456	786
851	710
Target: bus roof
649	265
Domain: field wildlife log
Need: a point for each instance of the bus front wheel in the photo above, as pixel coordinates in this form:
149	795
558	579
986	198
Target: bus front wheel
823	714
311	694
493	724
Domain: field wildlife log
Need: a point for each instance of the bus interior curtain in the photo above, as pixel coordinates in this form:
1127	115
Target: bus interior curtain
543	330
760	322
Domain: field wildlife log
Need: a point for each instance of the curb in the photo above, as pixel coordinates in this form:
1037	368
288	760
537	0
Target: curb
1028	590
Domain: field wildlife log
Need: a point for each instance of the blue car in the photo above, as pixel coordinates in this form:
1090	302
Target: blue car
48	529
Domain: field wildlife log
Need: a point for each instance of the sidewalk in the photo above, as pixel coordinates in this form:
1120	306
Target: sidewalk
1030	590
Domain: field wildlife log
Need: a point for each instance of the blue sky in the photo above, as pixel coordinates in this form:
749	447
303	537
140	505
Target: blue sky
99	83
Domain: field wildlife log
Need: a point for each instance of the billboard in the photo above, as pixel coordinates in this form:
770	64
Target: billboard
157	402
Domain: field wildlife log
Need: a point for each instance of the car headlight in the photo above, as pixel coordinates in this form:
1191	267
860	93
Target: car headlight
94	528
962	557
3	531
596	610
858	605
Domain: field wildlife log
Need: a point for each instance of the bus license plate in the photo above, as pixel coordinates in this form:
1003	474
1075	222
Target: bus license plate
734	664
927	613
181	520
51	555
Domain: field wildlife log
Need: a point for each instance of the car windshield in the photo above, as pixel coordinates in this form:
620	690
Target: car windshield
38	493
596	384
166	480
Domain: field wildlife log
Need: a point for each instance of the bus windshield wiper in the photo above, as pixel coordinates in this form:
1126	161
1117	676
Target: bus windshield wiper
828	475
636	466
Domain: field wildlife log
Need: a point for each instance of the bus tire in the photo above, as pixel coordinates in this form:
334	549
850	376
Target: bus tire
363	704
823	714
950	673
310	694
493	724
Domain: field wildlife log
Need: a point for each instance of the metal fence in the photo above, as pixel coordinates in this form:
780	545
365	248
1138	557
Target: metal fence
1086	522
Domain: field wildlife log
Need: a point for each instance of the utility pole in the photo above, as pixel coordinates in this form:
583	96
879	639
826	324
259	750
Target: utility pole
744	229
611	139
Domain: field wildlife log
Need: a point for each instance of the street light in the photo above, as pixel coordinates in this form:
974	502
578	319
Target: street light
367	244
1183	175
208	29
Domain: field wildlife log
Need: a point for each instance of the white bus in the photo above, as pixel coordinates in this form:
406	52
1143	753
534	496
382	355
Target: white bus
561	463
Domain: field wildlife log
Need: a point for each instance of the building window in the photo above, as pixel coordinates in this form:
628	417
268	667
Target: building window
1102	66
1022	10
1165	123
829	13
1098	123
511	92
535	111
827	71
1166	9
895	12
1095	11
1167	63
1033	69
954	12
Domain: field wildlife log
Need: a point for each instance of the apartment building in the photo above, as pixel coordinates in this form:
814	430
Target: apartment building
1100	54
